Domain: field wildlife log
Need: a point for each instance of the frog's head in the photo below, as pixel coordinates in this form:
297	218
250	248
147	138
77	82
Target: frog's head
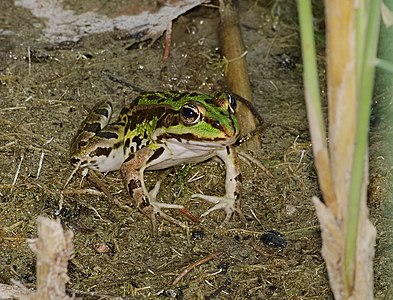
199	118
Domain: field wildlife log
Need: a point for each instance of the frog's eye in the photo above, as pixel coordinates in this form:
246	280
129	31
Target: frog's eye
190	114
232	103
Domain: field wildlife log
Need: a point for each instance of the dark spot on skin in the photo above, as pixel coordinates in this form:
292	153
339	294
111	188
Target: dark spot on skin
107	135
152	96
101	151
156	154
118	124
132	155
117	145
181	96
228	150
137	140
102	111
224	114
74	161
215	124
93	162
127	143
92	127
133	184
124	111
170	120
145	203
82	143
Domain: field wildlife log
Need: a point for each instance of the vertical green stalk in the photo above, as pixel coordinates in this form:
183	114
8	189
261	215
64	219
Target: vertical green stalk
310	70
365	74
361	23
313	104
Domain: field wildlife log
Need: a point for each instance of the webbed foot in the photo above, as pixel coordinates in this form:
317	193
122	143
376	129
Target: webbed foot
228	204
155	209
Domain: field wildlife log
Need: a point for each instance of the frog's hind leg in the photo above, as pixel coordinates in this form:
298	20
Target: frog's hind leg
132	171
230	203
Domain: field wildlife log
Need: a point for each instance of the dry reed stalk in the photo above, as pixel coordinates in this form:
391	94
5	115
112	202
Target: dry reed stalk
233	50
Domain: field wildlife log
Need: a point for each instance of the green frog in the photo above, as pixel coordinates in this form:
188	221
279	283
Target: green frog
159	130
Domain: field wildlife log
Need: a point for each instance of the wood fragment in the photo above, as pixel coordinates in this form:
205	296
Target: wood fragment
53	248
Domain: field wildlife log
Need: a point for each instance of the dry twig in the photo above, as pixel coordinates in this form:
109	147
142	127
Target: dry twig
194	265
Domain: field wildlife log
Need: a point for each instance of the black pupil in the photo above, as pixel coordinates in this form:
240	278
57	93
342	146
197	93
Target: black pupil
189	113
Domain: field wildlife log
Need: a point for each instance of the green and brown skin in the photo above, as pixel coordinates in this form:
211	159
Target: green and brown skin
159	130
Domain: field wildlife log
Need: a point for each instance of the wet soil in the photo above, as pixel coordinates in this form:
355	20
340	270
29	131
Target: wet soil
47	89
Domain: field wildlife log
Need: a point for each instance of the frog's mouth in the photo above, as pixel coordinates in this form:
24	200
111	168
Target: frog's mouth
191	139
194	143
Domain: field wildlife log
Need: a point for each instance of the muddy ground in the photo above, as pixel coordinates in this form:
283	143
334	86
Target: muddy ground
44	97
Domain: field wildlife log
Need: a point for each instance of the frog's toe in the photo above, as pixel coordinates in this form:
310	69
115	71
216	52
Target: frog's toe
170	219
157	211
154	192
228	204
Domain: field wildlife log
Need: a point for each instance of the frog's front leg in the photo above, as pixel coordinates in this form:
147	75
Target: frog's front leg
132	171
230	203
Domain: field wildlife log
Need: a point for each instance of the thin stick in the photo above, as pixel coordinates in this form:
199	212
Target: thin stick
29	58
194	265
18	170
168	38
40	164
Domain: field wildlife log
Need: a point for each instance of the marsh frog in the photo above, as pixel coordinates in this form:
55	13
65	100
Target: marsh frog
159	130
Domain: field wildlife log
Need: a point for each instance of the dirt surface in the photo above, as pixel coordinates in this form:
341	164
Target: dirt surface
47	89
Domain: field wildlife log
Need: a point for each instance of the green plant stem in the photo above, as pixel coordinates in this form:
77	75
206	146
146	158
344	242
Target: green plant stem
310	69
364	95
313	104
361	23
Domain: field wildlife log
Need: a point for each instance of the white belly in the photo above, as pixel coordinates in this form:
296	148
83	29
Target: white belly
177	153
